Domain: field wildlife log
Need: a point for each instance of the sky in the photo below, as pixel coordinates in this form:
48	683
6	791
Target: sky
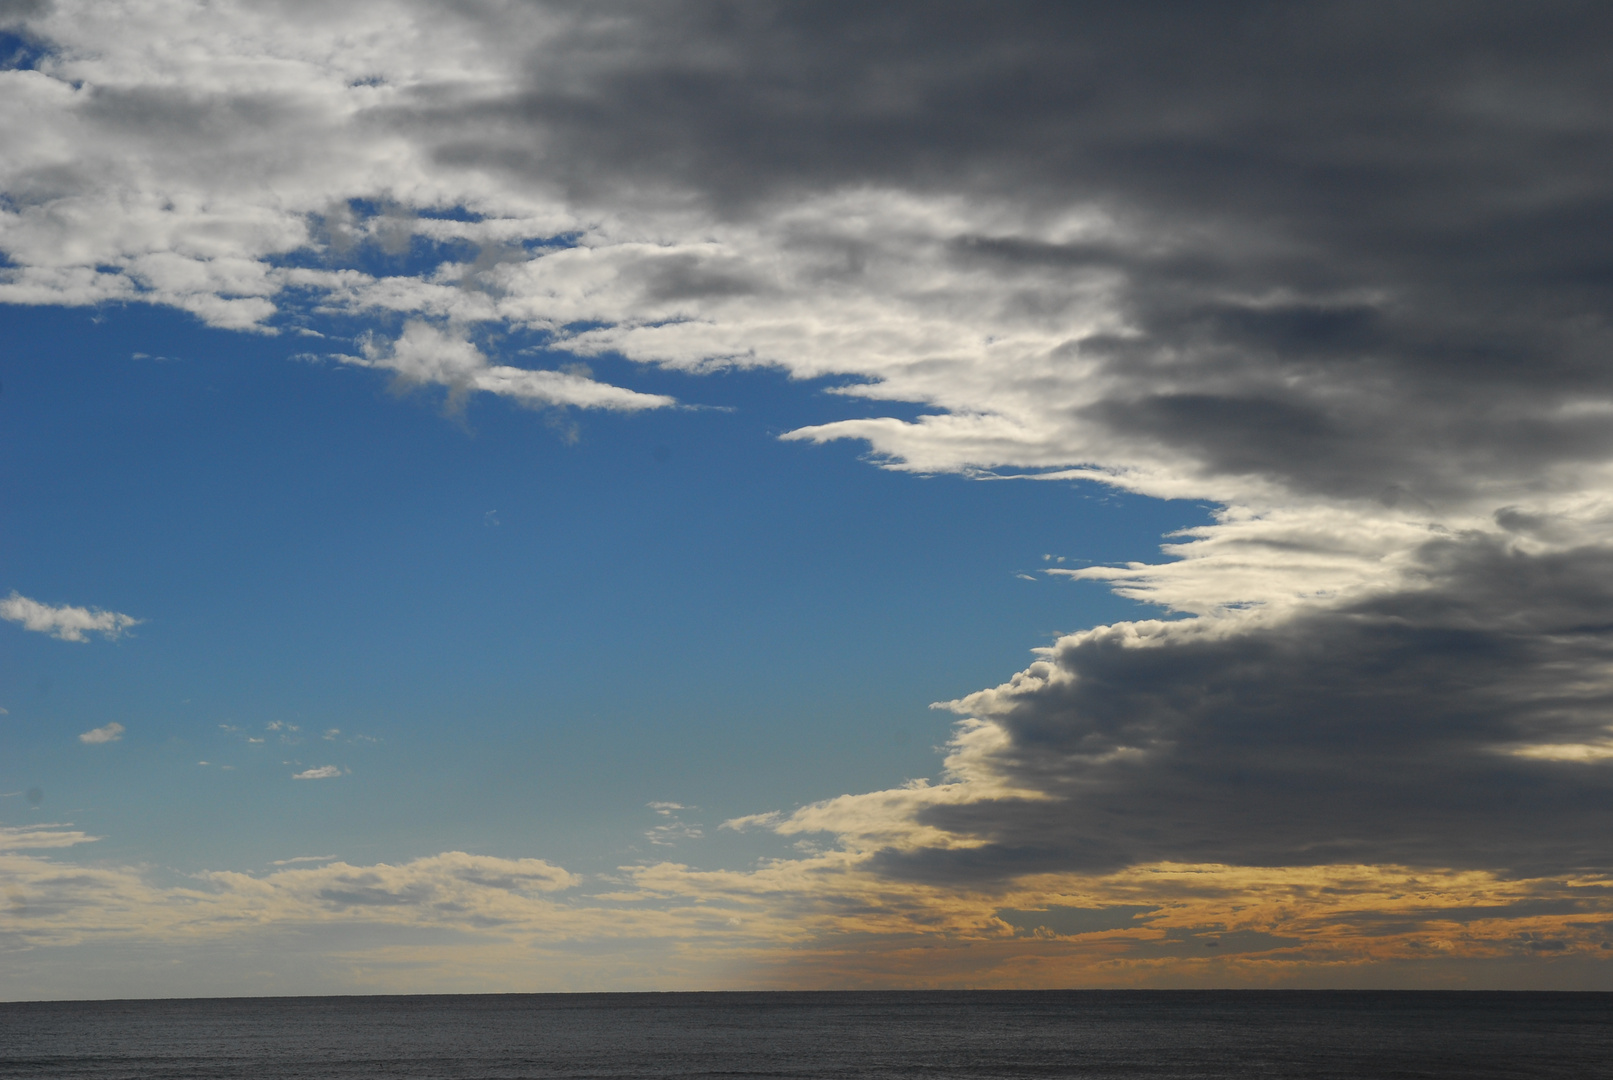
536	497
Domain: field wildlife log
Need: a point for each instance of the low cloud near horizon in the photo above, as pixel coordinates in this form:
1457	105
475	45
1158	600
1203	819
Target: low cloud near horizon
822	921
1337	270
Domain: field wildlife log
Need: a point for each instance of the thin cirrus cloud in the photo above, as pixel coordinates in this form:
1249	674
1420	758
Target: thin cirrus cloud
1333	270
66	622
425	355
53	835
304	859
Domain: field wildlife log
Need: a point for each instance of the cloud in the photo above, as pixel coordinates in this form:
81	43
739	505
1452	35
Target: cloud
670	833
1128	256
65	623
425	355
824	921
1338	271
672	828
1457	719
109	733
13	838
323	772
55	905
1150	285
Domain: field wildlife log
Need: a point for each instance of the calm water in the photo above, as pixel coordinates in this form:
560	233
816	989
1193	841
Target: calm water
965	1034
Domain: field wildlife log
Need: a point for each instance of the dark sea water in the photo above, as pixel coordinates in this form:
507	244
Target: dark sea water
860	1034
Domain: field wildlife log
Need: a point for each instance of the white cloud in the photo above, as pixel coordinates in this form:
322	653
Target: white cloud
1589	752
66	623
13	838
323	772
425	355
670	833
110	733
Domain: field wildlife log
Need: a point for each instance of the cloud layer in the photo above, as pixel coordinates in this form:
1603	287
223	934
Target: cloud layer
480	921
1340	270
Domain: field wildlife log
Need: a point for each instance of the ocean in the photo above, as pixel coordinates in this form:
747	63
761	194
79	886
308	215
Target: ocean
966	1034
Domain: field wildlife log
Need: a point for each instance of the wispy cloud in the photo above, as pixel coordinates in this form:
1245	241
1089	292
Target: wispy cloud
66	622
323	772
426	355
108	733
13	838
672	828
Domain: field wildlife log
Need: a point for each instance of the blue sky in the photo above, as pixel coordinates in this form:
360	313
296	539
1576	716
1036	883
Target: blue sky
531	630
547	496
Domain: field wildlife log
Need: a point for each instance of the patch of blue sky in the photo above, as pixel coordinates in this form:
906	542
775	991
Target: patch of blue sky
523	625
19	52
376	238
366	254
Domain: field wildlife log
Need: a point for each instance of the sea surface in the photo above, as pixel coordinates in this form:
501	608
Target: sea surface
841	1035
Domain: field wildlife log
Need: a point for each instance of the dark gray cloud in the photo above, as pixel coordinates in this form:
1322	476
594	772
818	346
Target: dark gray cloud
686	277
1364	244
1382	732
1265	110
13	11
